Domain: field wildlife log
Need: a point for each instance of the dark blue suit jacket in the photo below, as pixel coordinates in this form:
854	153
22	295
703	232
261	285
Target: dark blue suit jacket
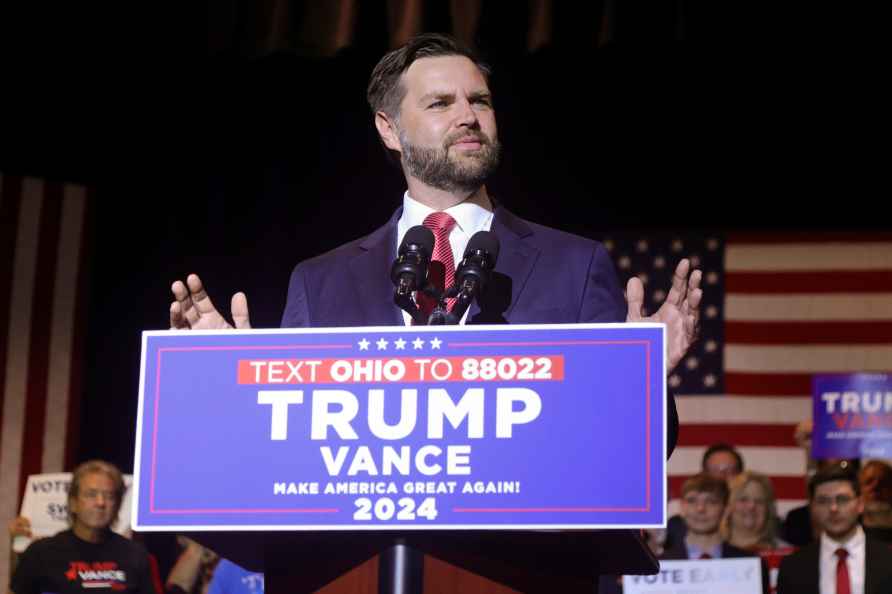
543	276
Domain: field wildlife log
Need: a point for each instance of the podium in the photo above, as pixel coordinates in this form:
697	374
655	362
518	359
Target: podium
534	562
527	455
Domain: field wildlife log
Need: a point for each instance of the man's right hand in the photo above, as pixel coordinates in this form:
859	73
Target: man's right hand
193	309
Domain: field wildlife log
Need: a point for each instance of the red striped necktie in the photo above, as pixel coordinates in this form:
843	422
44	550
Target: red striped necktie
441	273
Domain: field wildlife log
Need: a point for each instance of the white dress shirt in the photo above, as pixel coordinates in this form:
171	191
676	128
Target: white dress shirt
470	217
856	561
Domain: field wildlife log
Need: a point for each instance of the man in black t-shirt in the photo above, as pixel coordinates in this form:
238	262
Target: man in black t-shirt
89	557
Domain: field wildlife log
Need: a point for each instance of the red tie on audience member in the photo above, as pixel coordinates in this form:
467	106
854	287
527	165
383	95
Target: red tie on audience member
441	273
843	585
706	556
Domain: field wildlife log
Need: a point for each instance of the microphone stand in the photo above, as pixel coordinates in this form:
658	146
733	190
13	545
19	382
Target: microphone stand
441	316
402	296
463	295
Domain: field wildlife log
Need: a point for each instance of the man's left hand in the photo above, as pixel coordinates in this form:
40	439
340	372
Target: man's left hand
680	311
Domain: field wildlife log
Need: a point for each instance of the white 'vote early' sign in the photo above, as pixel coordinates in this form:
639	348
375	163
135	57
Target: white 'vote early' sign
45	504
712	576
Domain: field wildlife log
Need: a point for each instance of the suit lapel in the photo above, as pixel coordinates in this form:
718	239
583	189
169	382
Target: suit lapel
370	269
516	260
812	573
371	276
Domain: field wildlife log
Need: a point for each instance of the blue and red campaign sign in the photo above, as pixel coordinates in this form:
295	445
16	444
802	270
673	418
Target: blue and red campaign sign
852	415
457	427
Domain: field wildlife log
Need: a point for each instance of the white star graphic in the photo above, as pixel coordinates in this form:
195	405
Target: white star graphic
435	343
400	344
382	344
363	345
418	344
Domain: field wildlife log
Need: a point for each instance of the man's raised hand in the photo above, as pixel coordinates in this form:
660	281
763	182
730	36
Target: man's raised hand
680	311
192	308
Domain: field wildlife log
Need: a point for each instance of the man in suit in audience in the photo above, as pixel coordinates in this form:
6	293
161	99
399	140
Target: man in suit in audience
720	460
844	560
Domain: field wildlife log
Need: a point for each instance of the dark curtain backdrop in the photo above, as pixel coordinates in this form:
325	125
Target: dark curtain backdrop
238	162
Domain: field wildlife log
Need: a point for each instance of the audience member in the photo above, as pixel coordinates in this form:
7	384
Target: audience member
89	555
843	560
875	479
703	501
192	571
751	522
720	460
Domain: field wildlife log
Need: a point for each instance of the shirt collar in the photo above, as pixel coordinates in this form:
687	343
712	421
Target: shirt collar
470	216
854	546
695	552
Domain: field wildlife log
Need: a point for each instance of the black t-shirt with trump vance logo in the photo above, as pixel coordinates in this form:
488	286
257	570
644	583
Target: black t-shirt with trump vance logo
65	564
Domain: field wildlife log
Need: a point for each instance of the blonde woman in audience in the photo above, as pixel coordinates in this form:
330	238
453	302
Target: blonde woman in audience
750	521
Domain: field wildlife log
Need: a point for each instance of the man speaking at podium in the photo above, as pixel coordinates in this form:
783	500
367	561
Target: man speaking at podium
434	112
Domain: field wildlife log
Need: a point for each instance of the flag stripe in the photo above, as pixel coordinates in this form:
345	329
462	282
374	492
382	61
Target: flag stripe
18	346
809	307
807	359
773	461
739	434
834	281
72	432
41	326
785	487
758	410
10	200
812	256
42	281
62	334
777	333
768	384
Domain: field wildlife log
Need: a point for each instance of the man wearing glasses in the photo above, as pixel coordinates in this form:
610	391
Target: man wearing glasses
844	560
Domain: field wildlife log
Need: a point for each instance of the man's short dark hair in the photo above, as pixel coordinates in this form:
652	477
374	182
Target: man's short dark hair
722	447
831	474
386	92
706	483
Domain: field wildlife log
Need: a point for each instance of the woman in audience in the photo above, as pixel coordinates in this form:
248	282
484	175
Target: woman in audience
875	479
750	521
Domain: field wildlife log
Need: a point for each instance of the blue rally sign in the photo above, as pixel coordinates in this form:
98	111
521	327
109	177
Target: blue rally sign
852	415
456	427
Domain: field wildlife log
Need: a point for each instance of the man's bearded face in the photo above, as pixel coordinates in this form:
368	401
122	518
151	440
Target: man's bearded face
450	168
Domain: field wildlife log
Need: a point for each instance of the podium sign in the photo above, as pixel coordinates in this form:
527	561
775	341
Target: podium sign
425	428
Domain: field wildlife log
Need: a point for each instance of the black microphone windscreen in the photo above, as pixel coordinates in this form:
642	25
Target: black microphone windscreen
485	241
419	235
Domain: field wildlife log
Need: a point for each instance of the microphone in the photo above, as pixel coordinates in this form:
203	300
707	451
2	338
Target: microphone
474	270
476	265
409	270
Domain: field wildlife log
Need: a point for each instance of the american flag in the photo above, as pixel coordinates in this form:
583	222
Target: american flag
42	245
776	309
